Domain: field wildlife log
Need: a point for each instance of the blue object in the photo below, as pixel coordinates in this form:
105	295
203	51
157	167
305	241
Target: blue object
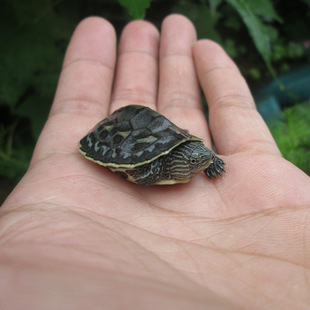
271	98
269	108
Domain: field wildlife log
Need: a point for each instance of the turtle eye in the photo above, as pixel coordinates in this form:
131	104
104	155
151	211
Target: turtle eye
193	161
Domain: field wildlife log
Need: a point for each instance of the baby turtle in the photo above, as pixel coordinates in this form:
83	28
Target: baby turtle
146	148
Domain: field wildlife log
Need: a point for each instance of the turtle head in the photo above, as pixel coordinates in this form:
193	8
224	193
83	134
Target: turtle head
187	160
202	158
199	157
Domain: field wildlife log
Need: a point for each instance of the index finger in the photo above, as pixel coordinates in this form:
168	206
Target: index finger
83	93
235	124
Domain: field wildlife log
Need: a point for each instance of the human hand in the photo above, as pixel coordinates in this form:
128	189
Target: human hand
75	235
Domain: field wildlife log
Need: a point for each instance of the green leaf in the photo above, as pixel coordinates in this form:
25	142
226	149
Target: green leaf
33	109
202	17
13	160
264	8
136	8
214	4
306	2
292	134
33	47
257	30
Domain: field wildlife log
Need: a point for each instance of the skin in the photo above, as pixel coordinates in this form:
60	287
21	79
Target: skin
76	236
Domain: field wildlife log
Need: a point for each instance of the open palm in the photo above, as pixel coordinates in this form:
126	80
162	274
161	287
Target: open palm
76	236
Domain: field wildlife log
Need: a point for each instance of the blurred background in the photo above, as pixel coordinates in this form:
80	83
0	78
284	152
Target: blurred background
268	39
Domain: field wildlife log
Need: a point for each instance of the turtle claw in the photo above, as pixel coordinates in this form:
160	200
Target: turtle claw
216	168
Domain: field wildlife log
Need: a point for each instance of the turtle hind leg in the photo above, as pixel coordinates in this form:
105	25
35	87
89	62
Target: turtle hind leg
216	168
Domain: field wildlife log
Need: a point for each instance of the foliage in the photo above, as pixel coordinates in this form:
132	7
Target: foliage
13	160
257	29
292	134
31	58
33	40
136	8
233	23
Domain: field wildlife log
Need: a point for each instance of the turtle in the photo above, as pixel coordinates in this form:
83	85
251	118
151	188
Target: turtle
146	148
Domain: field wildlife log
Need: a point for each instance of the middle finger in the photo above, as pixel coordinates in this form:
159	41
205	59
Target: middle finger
179	92
137	66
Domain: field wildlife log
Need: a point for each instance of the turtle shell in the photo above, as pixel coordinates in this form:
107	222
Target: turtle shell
132	136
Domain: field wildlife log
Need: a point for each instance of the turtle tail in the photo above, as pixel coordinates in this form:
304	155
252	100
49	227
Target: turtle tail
216	168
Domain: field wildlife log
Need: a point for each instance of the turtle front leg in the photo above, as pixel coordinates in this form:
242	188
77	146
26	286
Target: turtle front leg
147	174
216	168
